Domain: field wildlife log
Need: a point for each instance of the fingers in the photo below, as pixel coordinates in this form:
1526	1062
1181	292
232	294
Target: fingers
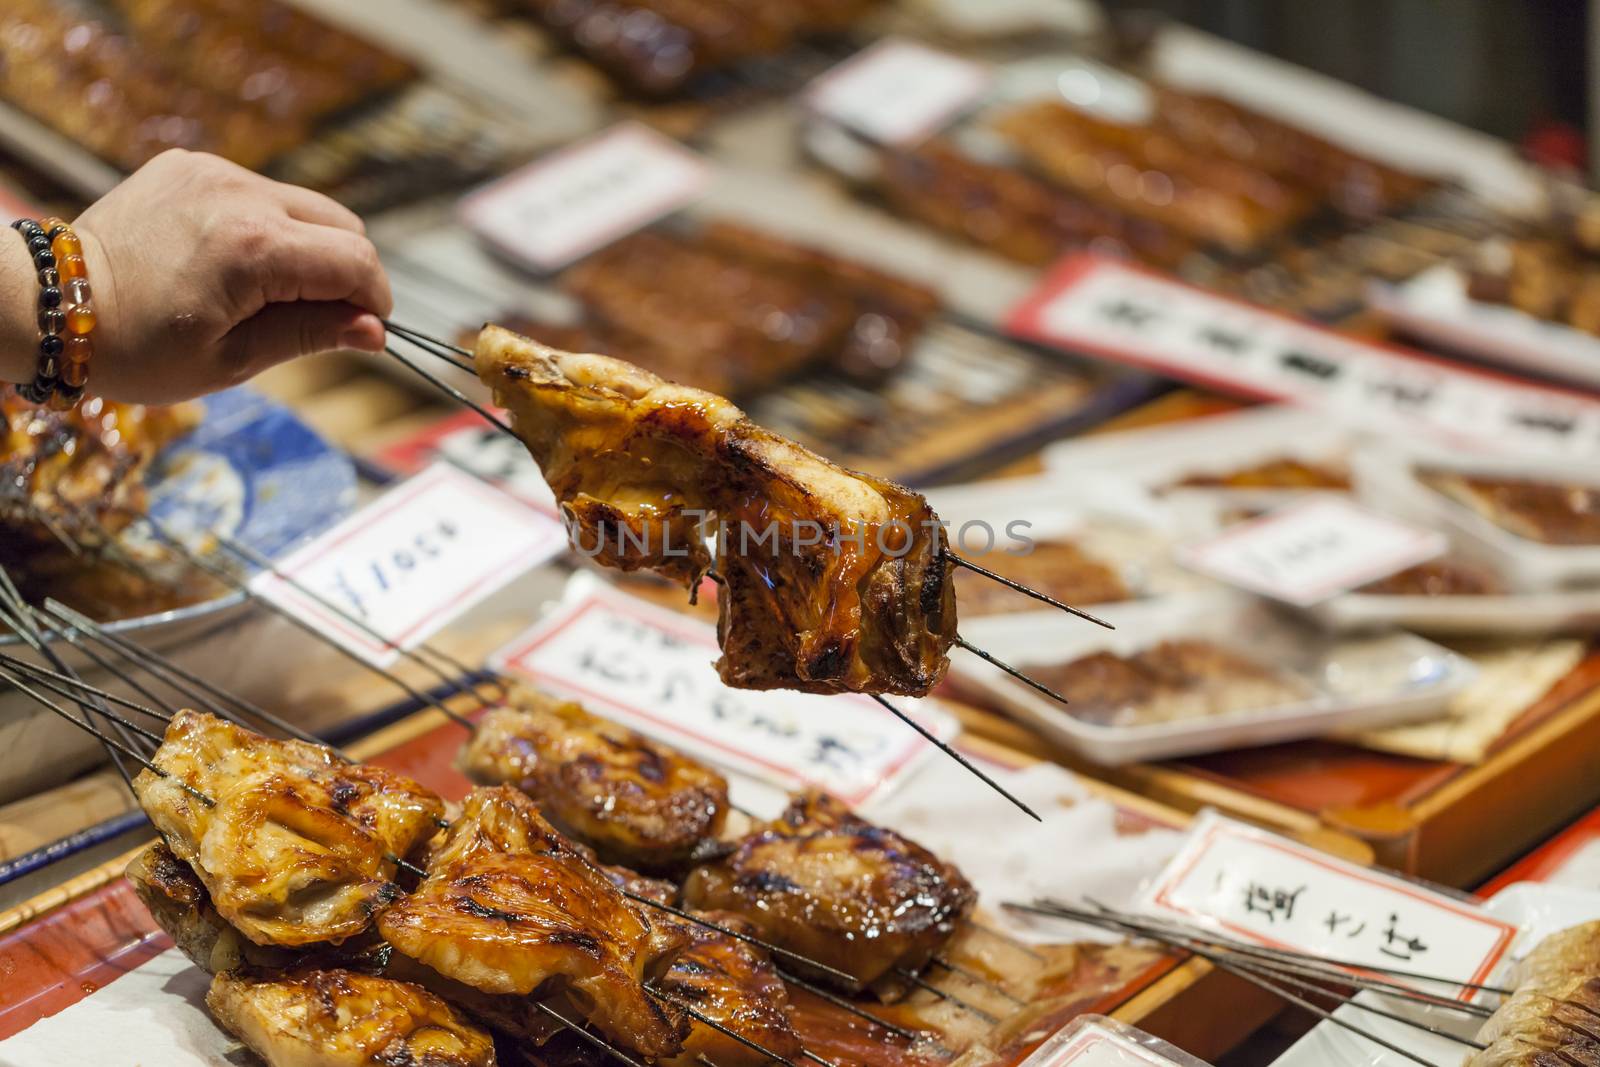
307	206
321	263
281	332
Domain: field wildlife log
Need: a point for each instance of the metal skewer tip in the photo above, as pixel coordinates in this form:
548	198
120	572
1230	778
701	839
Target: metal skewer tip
1009	669
961	561
950	751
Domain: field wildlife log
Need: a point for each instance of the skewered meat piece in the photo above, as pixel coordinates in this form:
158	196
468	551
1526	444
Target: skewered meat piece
297	846
832	581
1553	1018
180	905
1148	173
512	908
1012	213
834	888
734	983
1440	577
1285	472
1551	513
340	1018
631	800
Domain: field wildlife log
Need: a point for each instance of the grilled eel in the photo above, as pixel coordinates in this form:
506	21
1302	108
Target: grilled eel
510	907
1554	1015
633	801
832	887
294	845
832	581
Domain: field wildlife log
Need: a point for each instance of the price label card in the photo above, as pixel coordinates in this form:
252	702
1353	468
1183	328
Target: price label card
1313	550
585	196
1260	887
411	561
1093	1043
465	440
652	669
897	92
1113	309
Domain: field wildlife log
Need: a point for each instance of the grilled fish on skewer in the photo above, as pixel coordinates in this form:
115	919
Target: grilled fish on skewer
1554	1016
180	905
340	1018
735	983
833	581
631	800
823	883
298	846
510	907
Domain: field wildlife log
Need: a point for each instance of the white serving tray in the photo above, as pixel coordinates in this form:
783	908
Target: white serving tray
1435	307
1360	684
1539	909
1385	476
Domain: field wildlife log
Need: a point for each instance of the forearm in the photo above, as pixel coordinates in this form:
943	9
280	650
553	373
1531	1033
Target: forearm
19	301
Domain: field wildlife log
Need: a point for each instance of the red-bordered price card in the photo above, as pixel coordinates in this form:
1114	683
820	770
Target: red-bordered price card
411	561
897	92
1113	309
1313	550
652	668
582	197
1255	885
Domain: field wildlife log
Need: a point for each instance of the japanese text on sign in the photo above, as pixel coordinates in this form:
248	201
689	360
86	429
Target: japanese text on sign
411	561
1109	308
897	92
1258	886
580	198
653	669
1313	550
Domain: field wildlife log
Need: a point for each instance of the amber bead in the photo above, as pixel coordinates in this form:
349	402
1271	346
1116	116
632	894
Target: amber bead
73	267
51	223
75	374
66	244
79	349
80	319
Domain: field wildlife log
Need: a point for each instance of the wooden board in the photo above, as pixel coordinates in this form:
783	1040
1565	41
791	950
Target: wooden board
65	943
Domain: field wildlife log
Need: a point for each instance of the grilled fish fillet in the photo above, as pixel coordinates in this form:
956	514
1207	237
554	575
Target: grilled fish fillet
511	907
1553	1018
297	846
734	983
633	801
837	889
339	1018
832	581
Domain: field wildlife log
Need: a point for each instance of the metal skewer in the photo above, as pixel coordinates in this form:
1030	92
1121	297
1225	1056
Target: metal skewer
1009	669
701	1017
922	983
43	675
949	750
961	561
593	1039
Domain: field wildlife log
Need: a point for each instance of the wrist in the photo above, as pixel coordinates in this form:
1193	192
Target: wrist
19	304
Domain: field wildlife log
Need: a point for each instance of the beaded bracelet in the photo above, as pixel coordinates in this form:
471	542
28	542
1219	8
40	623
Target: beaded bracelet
66	313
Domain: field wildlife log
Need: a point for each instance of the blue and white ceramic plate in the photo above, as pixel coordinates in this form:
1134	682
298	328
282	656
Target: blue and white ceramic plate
251	470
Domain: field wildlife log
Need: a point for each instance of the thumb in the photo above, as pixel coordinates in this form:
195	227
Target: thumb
281	332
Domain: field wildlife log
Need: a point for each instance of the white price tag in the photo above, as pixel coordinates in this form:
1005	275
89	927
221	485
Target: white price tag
897	92
467	441
1258	886
1113	309
1093	1045
1307	552
585	196
412	560
652	669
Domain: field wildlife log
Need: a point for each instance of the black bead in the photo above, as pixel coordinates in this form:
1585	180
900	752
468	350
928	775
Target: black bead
34	392
45	260
39	243
49	278
71	393
51	345
56	231
19	224
29	229
52	320
50	296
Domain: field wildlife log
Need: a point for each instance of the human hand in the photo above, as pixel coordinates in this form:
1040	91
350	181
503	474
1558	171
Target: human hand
205	274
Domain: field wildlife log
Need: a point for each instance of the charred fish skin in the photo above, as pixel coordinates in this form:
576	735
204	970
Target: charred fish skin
831	581
632	800
296	846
